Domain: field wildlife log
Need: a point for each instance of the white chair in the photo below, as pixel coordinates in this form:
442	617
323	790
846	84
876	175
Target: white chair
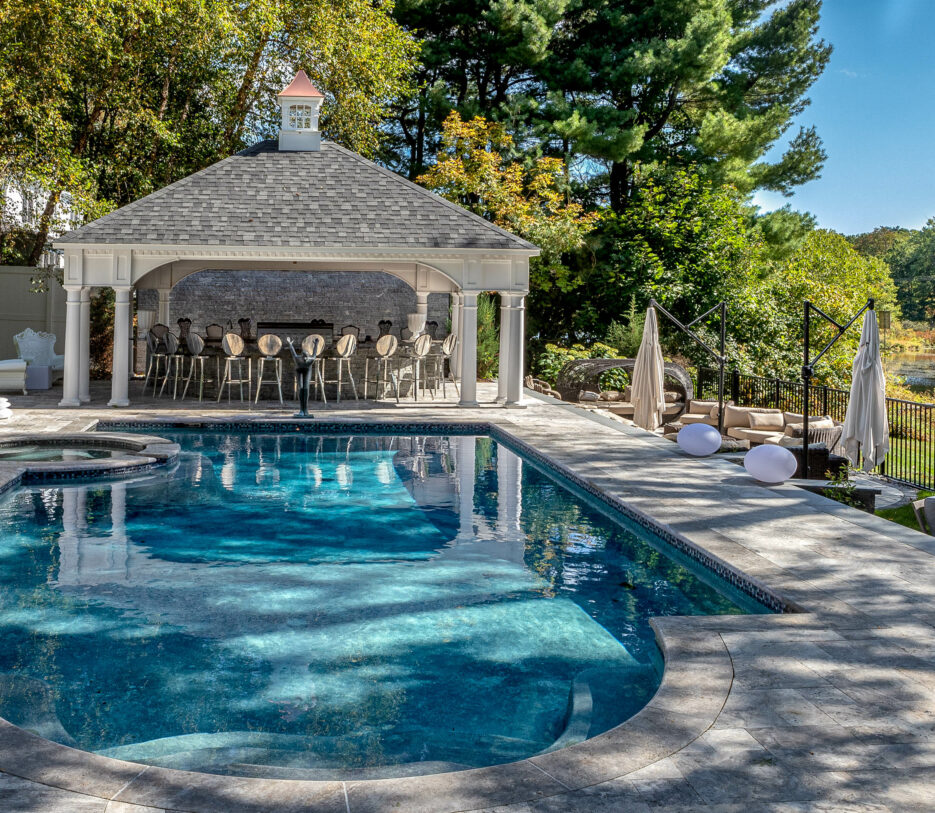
269	345
197	359
313	346
386	349
234	366
420	350
37	349
345	348
13	375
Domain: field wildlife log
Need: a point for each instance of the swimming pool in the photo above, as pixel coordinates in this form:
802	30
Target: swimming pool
317	606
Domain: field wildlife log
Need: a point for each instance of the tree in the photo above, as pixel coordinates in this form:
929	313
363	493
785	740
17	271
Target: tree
528	198
714	83
478	58
912	260
880	241
104	101
827	271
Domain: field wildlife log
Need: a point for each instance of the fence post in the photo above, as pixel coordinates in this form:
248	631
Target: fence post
776	384
735	385
824	400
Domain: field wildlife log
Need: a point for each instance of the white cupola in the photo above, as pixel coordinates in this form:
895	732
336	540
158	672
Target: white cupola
300	104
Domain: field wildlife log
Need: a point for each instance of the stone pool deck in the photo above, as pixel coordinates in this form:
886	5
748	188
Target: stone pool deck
828	709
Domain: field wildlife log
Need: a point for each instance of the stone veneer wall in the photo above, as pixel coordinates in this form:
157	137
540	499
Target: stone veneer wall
359	298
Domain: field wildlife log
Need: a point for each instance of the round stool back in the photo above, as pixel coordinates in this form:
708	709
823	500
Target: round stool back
313	345
195	344
172	343
386	346
232	344
270	344
346	345
449	345
422	345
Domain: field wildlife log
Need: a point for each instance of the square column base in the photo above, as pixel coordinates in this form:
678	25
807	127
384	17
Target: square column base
69	402
121	402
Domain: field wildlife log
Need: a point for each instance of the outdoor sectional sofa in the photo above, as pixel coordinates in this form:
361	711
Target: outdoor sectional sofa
757	424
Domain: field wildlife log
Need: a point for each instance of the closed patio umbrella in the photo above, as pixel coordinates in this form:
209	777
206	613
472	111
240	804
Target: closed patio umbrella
865	428
646	388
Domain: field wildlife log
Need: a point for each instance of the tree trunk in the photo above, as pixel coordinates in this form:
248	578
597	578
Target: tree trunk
619	185
240	109
45	223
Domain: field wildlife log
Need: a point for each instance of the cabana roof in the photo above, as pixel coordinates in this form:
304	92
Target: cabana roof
327	198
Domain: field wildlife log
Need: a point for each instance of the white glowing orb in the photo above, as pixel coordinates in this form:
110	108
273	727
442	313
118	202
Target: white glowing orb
770	464
699	439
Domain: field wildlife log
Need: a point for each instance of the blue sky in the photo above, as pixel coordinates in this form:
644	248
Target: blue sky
874	108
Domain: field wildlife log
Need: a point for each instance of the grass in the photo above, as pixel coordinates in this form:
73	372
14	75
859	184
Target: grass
904	515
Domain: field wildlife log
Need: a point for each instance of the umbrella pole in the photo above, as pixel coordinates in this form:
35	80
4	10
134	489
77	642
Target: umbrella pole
808	365
721	360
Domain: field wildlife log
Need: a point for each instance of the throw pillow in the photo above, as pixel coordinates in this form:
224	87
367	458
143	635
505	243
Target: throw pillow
767	421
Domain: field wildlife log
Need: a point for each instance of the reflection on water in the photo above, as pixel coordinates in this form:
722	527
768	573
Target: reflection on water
917	369
296	605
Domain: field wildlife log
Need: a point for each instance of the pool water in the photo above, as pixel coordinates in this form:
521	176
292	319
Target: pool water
311	607
55	454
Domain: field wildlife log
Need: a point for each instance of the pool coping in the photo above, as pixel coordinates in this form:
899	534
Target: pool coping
145	452
696	682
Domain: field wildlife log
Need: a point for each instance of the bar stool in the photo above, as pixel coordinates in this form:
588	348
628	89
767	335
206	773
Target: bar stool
196	346
345	348
313	346
233	365
420	350
155	342
269	345
386	349
447	350
175	361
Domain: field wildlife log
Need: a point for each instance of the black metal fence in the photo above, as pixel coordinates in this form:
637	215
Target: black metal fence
911	458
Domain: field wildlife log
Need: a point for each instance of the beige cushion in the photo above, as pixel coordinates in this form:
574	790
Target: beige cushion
672	397
766	420
705	418
740	416
753	435
792	417
627	393
696	407
796	430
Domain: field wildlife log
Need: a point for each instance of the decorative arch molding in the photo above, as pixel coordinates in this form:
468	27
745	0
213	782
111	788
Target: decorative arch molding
163	266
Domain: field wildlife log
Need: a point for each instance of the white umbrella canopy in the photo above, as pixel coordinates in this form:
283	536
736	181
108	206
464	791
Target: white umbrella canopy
865	427
646	388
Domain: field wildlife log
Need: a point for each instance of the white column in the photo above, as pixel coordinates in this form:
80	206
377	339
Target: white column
72	348
469	350
509	495
84	348
514	390
165	295
120	375
503	370
422	303
456	329
465	463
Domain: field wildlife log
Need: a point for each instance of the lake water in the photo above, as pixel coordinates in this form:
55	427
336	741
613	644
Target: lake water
918	369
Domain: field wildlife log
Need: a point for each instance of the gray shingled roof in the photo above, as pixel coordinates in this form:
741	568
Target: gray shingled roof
328	199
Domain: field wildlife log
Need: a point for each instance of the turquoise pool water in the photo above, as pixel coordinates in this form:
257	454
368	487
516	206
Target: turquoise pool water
304	606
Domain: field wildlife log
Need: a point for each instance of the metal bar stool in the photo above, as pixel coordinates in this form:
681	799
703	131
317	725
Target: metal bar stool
269	345
345	348
420	350
175	362
233	366
313	346
386	349
196	346
446	351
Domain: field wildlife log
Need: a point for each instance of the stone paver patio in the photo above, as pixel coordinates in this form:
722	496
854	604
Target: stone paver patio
831	708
